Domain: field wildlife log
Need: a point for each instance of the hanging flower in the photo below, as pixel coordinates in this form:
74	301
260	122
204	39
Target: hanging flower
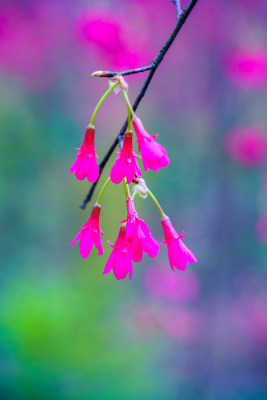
179	254
125	164
153	154
90	234
85	164
138	234
120	260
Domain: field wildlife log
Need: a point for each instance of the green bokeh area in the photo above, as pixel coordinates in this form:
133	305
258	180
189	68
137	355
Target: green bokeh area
69	332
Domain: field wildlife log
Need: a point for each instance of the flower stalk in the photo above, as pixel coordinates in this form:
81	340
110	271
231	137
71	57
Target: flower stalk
162	214
105	95
102	190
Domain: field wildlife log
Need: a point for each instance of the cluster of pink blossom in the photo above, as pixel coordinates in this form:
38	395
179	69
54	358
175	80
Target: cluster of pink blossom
134	237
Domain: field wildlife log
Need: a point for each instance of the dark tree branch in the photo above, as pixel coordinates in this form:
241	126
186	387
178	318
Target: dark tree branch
152	68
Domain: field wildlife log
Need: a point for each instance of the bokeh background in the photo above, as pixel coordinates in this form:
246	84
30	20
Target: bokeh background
68	332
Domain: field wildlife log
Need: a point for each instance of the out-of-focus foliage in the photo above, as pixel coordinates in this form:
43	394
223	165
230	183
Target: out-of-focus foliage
66	331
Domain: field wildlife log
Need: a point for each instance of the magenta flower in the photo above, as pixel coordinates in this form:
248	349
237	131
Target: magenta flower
120	259
149	246
138	234
179	254
153	154
85	164
125	164
90	234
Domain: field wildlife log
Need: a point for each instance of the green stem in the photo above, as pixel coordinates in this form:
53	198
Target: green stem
129	108
126	188
157	203
101	101
134	194
102	191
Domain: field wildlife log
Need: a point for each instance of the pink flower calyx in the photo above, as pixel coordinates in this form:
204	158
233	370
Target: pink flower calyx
120	260
125	164
179	254
90	234
123	83
85	165
153	154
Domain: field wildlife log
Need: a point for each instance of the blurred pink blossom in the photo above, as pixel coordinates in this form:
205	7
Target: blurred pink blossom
28	42
163	283
247	68
114	40
246	145
261	228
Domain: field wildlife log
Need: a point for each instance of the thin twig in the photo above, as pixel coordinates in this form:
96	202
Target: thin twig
177	6
152	67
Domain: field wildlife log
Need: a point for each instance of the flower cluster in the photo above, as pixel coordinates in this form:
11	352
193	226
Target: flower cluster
134	236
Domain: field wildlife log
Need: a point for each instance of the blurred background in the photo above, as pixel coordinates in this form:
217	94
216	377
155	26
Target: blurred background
67	331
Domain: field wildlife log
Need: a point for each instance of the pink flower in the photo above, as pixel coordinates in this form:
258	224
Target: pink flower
90	234
120	259
138	234
125	164
179	254
247	145
153	154
85	164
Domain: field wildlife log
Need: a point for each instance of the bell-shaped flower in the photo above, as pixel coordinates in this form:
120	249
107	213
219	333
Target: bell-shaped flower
120	260
85	165
90	234
125	164
179	254
153	154
149	246
138	234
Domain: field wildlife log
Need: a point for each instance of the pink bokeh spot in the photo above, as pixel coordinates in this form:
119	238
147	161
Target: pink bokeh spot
28	47
246	145
162	283
247	68
112	39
